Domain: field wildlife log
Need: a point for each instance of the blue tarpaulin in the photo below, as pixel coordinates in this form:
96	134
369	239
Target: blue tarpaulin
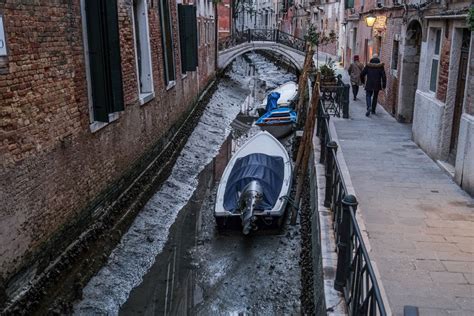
272	100
268	170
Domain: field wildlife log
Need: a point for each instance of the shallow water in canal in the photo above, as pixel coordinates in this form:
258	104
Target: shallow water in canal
172	261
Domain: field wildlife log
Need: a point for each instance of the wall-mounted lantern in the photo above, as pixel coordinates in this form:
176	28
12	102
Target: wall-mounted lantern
370	20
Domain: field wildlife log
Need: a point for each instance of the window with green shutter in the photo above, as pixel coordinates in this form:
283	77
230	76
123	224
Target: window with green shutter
188	37
104	58
349	4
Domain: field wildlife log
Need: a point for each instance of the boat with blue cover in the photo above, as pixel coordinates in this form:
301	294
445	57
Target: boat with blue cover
278	121
255	184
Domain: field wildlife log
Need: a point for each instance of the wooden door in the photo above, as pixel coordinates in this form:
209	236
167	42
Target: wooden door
458	103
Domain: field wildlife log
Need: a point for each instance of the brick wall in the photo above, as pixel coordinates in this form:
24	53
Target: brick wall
443	72
389	99
52	165
224	17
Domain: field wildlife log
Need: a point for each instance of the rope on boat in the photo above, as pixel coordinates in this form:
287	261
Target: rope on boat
291	201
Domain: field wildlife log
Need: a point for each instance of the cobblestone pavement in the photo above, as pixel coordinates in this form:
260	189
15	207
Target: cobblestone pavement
420	223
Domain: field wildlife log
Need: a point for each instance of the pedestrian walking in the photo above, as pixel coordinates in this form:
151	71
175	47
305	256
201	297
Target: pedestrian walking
376	81
355	69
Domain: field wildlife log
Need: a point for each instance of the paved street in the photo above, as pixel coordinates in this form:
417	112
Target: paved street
419	222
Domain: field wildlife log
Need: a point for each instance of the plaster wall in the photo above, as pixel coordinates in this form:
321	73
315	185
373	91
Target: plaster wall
408	74
464	169
429	111
427	123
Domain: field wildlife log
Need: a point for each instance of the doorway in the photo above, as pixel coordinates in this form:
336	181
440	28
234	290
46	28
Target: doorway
458	101
409	72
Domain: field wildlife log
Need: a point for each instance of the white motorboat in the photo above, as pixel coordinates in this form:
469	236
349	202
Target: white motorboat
255	184
287	91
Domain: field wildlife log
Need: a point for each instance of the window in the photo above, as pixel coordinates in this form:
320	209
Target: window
436	39
167	43
142	47
103	58
395	49
354	41
188	37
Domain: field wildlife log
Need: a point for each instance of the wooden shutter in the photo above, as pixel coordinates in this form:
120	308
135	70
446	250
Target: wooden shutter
188	37
193	39
115	68
97	60
182	37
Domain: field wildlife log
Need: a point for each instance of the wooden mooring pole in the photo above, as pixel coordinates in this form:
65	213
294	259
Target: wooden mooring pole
304	149
308	62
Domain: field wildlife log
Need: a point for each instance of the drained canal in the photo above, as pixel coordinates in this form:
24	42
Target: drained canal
172	260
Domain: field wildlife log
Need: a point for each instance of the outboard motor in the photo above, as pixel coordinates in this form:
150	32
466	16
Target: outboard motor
251	196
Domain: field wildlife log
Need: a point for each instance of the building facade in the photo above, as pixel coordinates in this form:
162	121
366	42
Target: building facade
329	21
224	17
297	16
256	14
426	47
87	87
443	119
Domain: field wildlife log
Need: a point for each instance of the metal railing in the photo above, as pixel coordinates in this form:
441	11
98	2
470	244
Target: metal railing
335	97
355	276
266	35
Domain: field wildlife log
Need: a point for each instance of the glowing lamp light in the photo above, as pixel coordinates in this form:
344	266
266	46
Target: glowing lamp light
370	20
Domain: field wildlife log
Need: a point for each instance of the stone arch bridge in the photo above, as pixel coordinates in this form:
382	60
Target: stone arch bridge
293	48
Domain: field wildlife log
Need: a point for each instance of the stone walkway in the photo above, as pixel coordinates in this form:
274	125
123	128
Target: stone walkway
419	222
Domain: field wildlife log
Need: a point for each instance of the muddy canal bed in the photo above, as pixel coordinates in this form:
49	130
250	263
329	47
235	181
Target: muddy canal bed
172	260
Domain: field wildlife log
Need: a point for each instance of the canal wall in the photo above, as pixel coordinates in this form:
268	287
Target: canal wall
319	298
66	264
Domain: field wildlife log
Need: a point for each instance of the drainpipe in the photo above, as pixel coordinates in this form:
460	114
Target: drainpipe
216	34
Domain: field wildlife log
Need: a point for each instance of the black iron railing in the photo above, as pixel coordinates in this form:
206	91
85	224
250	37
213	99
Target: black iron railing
232	40
355	276
335	97
265	35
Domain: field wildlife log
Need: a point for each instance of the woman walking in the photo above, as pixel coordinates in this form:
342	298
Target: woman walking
355	70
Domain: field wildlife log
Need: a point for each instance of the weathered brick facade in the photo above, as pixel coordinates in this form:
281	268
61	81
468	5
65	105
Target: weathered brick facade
443	72
224	18
393	30
52	165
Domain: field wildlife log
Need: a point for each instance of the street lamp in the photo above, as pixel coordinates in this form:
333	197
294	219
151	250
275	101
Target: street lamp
370	20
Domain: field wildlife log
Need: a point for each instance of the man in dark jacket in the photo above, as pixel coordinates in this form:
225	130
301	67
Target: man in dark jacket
376	81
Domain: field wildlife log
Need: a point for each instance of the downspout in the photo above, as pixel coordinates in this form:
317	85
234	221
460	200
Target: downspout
216	34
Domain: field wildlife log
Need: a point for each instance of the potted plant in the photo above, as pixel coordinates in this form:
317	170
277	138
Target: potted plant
328	73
